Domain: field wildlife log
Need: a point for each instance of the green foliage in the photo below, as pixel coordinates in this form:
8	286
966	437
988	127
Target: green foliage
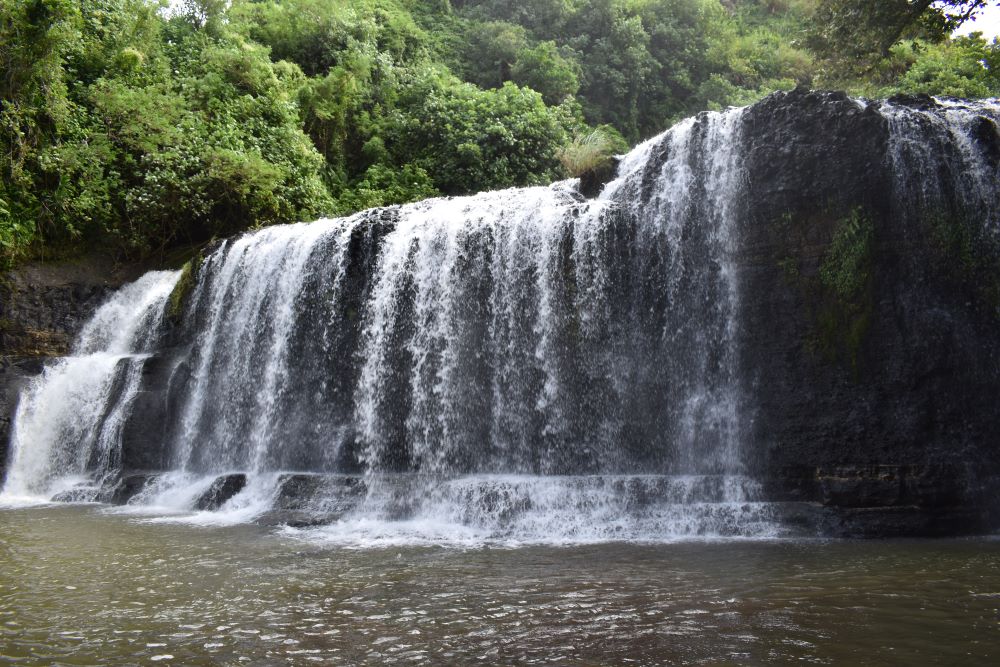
134	133
543	69
968	255
382	185
466	138
880	48
962	67
639	63
590	151
846	268
15	235
845	303
392	124
185	284
137	131
855	32
320	35
488	51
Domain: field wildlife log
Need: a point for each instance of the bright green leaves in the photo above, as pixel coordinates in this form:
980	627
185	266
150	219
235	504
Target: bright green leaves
133	132
963	67
543	69
469	139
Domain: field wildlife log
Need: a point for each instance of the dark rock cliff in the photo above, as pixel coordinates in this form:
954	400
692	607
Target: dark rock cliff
875	398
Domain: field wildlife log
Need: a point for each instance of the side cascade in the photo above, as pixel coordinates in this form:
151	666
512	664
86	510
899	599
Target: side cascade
523	365
945	161
67	437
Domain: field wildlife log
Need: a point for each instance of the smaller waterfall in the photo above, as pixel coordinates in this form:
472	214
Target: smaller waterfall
67	428
945	162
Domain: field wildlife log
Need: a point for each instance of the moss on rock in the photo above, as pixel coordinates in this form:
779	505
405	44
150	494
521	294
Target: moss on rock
968	256
185	284
844	301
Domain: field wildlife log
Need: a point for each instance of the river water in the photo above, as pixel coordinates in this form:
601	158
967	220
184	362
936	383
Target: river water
81	585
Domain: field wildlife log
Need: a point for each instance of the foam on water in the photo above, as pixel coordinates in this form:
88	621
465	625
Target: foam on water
172	497
513	510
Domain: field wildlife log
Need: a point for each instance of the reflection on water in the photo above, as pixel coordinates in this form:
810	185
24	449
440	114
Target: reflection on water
79	585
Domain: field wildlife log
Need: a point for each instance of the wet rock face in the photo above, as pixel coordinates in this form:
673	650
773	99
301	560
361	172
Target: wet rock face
127	488
901	374
44	305
593	180
311	499
222	489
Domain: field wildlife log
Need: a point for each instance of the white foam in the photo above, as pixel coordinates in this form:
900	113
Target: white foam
513	510
171	498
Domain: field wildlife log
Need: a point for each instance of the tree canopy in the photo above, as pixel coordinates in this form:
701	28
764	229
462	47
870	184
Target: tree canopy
132	128
864	31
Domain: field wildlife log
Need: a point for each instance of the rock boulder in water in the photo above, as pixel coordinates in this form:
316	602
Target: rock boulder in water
221	491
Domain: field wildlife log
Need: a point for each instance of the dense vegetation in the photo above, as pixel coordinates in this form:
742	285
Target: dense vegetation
128	126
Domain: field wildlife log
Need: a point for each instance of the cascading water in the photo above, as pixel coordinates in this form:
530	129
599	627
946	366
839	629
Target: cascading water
67	430
523	365
939	163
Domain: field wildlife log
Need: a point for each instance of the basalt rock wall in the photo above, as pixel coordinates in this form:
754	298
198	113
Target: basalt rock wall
871	320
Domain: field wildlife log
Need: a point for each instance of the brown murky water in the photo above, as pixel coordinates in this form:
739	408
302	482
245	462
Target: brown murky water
80	586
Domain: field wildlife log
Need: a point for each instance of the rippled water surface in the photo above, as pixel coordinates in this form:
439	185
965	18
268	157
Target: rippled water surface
80	585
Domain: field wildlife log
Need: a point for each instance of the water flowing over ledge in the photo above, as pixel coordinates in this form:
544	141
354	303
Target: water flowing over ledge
518	366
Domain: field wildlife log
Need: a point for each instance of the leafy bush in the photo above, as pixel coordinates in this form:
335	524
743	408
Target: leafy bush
962	67
467	139
589	151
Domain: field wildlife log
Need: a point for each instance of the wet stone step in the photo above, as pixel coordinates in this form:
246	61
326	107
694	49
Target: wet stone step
128	487
222	489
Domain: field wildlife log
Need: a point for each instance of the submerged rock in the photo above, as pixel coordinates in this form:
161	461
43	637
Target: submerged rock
127	488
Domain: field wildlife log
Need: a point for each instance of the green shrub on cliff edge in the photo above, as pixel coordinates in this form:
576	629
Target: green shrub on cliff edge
590	151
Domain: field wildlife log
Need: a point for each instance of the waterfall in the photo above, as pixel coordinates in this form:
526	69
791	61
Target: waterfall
67	430
946	162
523	364
516	332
